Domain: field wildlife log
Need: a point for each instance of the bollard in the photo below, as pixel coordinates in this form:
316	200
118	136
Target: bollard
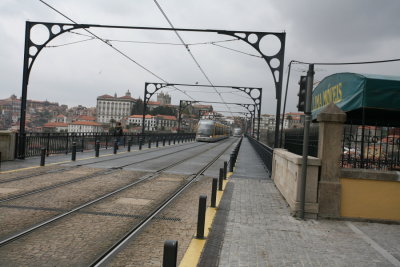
115	146
129	145
170	253
73	155
231	163
225	170
221	178
42	156
163	141
157	141
214	192
201	216
149	141
140	143
97	148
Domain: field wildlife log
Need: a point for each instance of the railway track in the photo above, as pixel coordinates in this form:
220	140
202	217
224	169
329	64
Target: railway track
138	220
81	178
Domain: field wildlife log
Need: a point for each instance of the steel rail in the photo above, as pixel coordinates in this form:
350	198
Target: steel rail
93	175
56	218
105	258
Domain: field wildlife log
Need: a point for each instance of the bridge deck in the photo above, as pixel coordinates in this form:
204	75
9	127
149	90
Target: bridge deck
254	227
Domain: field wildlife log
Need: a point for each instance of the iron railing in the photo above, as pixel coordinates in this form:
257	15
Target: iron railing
57	143
371	147
293	140
266	153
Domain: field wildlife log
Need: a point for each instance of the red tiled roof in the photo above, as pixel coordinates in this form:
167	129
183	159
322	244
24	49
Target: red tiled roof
126	97
154	103
86	118
61	116
167	117
89	123
55	124
141	116
105	96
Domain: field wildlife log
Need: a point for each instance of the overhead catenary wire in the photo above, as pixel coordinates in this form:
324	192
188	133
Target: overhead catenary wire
113	47
190	52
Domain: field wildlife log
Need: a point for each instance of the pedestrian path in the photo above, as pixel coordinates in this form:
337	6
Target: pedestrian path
254	227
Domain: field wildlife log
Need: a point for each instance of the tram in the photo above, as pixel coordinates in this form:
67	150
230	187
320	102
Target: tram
211	131
237	132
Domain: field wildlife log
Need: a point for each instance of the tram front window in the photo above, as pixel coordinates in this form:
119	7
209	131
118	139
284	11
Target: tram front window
205	129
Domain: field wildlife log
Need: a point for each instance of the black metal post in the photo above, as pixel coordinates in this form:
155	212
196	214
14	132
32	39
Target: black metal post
140	143
42	156
225	169
221	178
201	218
97	148
307	122
157	141
115	146
73	156
66	144
129	144
232	163
163	141
214	192
149	141
170	253
48	145
169	140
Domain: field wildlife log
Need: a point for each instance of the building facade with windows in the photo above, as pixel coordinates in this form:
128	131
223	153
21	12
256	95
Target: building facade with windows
113	108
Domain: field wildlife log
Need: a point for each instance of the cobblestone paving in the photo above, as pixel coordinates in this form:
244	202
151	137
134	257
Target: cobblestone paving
147	248
261	232
62	198
77	239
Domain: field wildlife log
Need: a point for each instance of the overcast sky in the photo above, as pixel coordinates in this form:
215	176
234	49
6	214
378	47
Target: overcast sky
317	31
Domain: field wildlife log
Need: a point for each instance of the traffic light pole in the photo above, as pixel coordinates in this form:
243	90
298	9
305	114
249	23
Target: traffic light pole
307	122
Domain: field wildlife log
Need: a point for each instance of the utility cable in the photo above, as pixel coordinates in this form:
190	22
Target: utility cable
190	52
350	63
110	45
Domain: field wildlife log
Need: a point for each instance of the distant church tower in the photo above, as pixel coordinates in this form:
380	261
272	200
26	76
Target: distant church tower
164	99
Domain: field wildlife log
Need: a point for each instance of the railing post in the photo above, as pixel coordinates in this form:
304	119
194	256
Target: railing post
169	140
214	192
163	141
170	253
156	141
129	145
97	148
73	156
115	146
42	156
201	216
66	144
140	143
149	146
83	141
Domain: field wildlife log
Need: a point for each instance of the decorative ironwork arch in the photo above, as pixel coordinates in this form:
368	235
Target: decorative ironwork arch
255	93
253	38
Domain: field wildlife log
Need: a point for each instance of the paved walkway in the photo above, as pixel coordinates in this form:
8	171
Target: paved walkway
259	231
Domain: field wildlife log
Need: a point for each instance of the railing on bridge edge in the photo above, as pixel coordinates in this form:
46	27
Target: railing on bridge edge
57	143
266	153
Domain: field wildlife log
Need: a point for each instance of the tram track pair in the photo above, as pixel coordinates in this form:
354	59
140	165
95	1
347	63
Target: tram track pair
145	177
82	178
68	168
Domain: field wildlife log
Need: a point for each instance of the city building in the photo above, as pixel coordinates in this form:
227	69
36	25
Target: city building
164	99
113	108
85	127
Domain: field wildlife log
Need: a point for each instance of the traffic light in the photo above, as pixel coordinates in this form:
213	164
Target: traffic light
302	93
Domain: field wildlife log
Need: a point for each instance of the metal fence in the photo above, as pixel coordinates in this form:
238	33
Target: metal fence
293	140
371	147
56	143
266	153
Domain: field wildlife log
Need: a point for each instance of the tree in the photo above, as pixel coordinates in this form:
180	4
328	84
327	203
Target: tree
163	110
138	107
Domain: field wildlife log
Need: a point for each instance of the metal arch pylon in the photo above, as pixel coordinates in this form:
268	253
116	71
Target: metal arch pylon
274	61
31	51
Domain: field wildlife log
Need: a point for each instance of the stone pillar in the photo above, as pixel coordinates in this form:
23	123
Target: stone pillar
331	123
7	145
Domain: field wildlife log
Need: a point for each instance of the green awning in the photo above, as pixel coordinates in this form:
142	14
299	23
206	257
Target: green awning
372	99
